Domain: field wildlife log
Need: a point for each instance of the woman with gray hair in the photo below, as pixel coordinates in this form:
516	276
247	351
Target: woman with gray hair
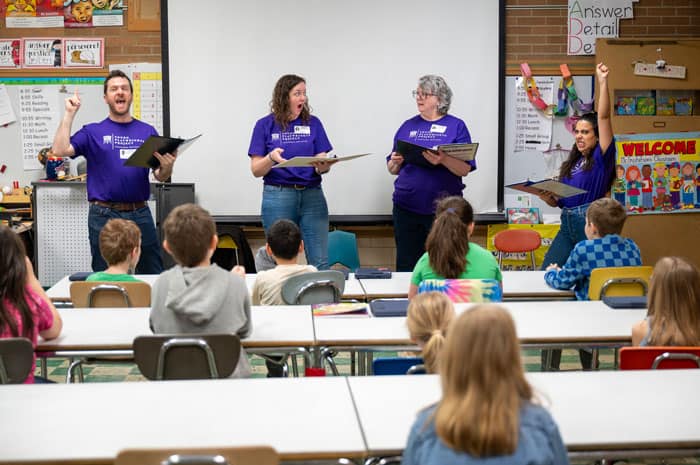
417	187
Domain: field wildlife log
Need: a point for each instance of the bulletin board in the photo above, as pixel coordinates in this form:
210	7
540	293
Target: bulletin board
53	91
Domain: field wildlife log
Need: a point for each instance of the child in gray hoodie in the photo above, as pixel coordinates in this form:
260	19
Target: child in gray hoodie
196	296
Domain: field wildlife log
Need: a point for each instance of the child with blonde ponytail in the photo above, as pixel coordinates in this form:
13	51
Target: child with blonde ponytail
428	317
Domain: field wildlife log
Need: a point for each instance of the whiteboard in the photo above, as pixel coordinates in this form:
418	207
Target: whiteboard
531	164
92	109
361	60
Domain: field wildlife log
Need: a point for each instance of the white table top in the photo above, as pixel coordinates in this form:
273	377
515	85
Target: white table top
60	292
546	322
595	411
516	285
115	328
93	422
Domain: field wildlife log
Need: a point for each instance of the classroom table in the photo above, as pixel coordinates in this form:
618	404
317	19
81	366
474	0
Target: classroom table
604	414
543	324
104	329
60	292
517	285
302	418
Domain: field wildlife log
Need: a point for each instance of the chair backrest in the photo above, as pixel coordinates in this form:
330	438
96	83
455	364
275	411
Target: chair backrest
16	360
465	290
517	241
398	366
316	287
342	248
619	281
645	358
187	356
110	294
260	455
233	248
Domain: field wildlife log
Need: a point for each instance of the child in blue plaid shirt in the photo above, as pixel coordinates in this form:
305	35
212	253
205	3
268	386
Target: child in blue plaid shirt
604	247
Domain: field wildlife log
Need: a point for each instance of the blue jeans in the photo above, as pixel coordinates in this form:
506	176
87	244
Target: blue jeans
308	209
150	261
571	232
410	232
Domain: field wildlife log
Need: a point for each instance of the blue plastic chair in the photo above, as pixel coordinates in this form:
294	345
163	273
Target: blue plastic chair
342	249
398	366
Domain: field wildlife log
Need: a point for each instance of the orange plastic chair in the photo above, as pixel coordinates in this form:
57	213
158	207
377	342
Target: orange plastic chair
517	241
645	358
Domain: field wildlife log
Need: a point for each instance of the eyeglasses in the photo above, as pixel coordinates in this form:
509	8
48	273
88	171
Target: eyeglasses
420	95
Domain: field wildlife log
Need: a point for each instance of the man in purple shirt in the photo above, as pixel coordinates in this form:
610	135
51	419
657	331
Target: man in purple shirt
115	190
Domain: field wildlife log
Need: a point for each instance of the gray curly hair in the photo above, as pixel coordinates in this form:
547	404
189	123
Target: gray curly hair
436	85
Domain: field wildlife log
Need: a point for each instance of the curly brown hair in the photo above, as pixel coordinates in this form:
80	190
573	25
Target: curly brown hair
279	106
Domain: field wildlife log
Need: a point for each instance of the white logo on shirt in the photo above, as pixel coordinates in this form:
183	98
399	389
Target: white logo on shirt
439	128
275	136
412	134
302	130
107	139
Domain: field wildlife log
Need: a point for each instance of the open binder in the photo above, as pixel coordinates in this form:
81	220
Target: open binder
413	153
547	185
309	161
143	156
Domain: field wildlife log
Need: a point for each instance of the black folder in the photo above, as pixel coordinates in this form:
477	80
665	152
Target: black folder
389	307
143	156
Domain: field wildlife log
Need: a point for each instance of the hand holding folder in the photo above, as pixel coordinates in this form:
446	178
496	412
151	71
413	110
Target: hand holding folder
547	186
413	153
143	156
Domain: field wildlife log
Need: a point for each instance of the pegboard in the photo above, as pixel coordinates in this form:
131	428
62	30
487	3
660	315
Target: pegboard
62	244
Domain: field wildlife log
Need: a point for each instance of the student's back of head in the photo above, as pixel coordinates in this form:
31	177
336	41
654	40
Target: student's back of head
483	383
674	303
118	239
607	215
190	234
448	241
284	239
428	318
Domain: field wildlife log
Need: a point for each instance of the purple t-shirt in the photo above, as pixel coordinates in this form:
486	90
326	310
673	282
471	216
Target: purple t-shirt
298	140
417	188
106	146
596	180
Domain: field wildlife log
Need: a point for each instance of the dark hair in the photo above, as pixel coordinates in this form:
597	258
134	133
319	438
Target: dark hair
284	238
117	73
448	240
118	238
608	215
575	154
279	106
188	230
13	281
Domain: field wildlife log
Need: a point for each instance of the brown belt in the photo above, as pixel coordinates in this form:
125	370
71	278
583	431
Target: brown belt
120	206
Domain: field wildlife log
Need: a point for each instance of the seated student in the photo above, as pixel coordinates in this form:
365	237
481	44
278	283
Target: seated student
284	245
673	316
428	317
25	309
120	246
449	254
196	296
488	412
603	248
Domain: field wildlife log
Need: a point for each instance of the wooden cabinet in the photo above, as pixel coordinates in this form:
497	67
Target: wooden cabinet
144	15
621	55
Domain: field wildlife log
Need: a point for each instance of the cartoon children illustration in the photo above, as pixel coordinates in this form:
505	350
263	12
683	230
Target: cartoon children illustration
661	201
697	186
674	183
687	186
633	187
21	7
647	188
619	186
